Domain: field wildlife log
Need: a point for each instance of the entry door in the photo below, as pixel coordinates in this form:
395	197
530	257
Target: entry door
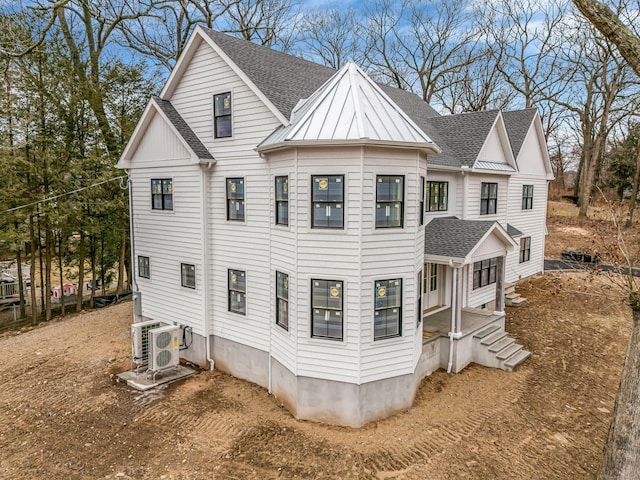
433	284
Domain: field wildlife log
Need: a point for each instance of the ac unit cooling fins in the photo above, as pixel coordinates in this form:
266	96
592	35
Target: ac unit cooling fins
140	340
164	348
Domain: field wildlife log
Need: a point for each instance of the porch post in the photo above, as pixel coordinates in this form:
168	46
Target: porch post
458	294
500	274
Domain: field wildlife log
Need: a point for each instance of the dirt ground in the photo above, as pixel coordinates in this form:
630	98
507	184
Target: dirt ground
63	415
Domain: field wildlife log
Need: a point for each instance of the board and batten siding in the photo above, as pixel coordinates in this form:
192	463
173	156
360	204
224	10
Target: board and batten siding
160	146
169	238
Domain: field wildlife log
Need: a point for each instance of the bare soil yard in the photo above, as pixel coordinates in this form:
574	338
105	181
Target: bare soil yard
62	414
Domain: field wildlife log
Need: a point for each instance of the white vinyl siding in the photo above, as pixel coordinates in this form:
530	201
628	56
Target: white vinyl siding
170	238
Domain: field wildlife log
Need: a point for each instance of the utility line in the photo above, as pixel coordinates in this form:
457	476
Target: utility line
72	192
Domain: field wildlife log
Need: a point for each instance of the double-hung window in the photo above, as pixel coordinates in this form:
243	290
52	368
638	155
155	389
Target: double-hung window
389	201
484	272
235	199
188	275
327	201
433	277
143	267
422	196
237	291
437	196
527	197
282	300
488	198
419	300
388	309
222	115
525	249
326	309
162	194
282	200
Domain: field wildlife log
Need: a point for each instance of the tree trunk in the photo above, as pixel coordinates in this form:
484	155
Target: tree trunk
81	256
121	262
32	276
23	311
634	190
60	265
622	452
42	285
47	277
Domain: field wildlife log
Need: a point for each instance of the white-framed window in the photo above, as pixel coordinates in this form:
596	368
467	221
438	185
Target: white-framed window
433	277
188	275
437	196
282	300
235	199
282	200
237	291
387	320
527	197
222	115
389	201
326	309
485	272
488	198
162	194
327	201
525	249
143	267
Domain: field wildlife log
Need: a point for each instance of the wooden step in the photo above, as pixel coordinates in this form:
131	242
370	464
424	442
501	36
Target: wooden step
501	344
507	352
486	331
494	337
515	360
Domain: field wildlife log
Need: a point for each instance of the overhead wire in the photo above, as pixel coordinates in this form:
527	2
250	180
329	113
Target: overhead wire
72	192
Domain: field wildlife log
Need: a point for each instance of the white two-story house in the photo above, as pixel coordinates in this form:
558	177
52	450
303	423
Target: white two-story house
328	238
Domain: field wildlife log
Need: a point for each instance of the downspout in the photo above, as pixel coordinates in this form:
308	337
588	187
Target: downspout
131	234
271	293
454	302
205	251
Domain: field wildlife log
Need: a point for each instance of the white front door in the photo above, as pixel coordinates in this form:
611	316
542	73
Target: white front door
433	285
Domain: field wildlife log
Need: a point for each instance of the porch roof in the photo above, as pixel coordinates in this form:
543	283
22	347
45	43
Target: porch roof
450	238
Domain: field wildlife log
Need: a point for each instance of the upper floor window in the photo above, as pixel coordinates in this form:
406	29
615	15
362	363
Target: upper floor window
422	196
389	201
143	267
527	197
235	199
484	272
237	291
388	309
327	199
282	300
437	196
488	198
188	275
222	115
282	200
326	309
162	194
525	249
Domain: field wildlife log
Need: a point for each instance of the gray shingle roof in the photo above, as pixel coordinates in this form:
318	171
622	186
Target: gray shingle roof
513	231
460	137
286	79
518	123
452	237
184	129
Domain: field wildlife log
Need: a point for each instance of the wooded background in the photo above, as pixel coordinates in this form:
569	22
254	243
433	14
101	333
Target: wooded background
76	76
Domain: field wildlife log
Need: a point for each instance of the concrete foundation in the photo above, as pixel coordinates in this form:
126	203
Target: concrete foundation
241	361
196	349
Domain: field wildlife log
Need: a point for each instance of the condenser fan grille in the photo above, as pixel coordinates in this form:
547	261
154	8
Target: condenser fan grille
163	358
163	340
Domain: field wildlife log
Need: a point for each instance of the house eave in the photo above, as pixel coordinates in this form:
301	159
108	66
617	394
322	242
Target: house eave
361	142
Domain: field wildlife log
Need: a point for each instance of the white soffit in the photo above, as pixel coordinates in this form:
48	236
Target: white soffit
349	107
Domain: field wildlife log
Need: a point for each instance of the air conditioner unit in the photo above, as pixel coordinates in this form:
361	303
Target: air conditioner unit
140	340
164	348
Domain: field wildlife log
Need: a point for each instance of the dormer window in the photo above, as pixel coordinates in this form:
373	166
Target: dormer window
222	115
